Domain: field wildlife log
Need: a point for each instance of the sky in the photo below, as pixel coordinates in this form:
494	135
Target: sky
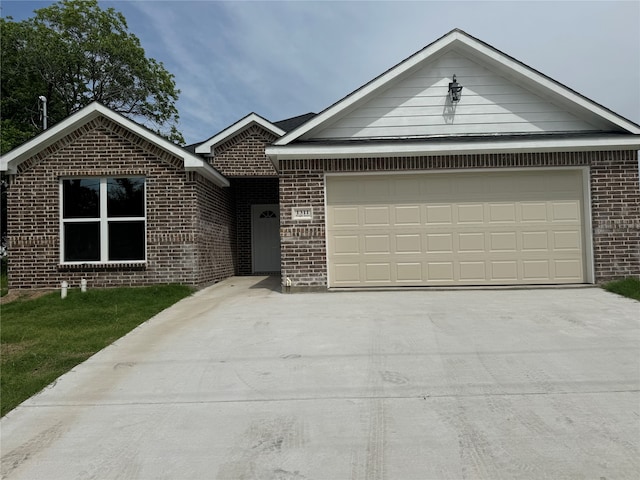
283	59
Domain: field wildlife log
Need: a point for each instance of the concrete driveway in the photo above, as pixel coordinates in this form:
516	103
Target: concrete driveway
242	382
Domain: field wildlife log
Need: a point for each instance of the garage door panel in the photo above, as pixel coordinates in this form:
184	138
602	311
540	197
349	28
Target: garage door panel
566	240
440	272
376	244
409	243
535	241
436	187
503	241
563	185
376	190
504	271
346	273
472	271
439	214
345	245
471	242
377	272
502	213
534	212
407	187
565	212
535	270
439	243
345	217
465	186
470	213
376	216
568	270
409	272
455	233
407	215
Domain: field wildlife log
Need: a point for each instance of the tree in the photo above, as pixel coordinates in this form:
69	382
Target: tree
73	52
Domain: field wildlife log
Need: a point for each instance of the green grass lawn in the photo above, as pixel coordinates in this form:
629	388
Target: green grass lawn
4	285
629	287
43	338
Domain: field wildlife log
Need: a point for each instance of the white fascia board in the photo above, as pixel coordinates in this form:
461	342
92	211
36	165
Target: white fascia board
196	164
9	162
253	118
445	147
544	83
368	89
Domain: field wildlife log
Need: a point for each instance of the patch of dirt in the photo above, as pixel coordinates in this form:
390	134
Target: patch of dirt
9	349
22	295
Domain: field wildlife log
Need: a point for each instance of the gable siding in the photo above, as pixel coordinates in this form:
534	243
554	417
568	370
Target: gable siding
243	155
173	217
419	106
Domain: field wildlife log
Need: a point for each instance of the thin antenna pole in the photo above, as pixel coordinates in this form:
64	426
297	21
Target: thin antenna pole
43	99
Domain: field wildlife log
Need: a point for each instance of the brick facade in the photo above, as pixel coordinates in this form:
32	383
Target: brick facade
198	233
243	154
254	180
615	203
190	226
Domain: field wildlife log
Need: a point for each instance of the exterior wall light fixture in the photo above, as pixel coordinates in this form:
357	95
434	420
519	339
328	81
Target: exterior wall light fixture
455	90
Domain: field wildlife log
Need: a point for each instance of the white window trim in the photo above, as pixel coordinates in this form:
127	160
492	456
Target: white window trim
104	223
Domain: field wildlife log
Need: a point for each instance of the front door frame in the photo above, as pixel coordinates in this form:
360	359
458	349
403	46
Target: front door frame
254	211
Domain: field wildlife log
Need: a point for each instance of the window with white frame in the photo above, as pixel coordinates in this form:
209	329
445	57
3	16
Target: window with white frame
103	220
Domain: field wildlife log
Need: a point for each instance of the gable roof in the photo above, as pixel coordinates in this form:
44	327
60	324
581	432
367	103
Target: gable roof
488	55
294	122
9	162
241	125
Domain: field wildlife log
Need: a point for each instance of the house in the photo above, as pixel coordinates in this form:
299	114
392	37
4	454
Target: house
458	166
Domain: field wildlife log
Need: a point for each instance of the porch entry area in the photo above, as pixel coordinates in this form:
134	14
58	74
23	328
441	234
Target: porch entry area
265	238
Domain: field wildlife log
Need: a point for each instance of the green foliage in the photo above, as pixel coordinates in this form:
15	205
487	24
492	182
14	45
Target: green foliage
73	52
628	287
43	338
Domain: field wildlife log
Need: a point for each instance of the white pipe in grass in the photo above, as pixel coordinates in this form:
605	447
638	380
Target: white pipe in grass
63	290
83	285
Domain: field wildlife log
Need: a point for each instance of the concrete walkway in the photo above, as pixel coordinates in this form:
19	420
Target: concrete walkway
243	382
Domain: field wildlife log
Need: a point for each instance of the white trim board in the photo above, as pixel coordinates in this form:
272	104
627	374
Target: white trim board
450	147
9	162
207	147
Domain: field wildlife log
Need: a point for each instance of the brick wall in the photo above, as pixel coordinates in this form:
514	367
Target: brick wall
176	220
615	201
615	204
243	154
250	191
216	231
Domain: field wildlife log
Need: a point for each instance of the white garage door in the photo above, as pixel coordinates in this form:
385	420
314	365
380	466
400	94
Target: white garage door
495	228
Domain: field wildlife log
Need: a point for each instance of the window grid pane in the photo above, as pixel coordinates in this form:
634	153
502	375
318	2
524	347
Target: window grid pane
126	241
125	197
82	242
81	198
118	233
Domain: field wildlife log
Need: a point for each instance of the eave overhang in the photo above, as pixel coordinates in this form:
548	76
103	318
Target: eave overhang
450	146
9	163
207	147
